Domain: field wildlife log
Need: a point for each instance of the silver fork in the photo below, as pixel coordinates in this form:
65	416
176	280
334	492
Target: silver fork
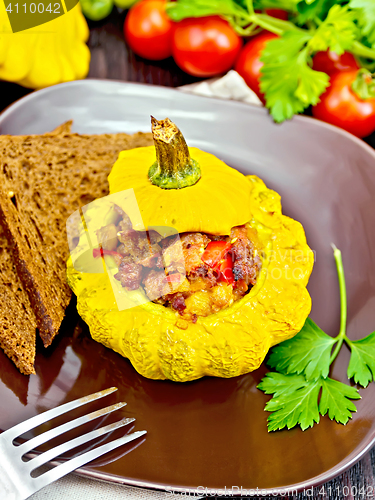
16	482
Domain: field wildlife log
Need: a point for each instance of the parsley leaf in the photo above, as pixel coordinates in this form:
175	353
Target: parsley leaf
335	400
337	32
308	352
279	384
362	360
309	10
296	403
303	366
295	400
365	10
287	81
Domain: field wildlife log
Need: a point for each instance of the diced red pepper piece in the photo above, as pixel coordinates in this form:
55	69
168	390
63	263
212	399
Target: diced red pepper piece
215	252
97	252
226	270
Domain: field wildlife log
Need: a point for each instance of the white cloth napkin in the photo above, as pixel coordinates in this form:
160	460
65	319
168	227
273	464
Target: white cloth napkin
230	86
74	487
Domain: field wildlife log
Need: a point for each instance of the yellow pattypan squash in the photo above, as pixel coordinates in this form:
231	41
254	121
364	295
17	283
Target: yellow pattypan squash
215	204
47	54
234	340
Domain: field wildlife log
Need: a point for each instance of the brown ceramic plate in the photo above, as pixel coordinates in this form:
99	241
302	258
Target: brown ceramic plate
212	433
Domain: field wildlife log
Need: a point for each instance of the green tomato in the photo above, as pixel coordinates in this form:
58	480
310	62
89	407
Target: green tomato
95	10
125	4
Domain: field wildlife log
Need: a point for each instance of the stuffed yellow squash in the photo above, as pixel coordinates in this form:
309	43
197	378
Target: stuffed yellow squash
246	266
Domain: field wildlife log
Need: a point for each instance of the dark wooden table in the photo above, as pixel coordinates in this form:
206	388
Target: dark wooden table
111	59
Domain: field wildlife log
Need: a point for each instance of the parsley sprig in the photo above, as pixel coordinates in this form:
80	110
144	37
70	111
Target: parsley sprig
288	81
301	387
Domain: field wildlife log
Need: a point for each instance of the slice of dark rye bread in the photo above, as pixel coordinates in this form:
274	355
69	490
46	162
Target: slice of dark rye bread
18	323
43	180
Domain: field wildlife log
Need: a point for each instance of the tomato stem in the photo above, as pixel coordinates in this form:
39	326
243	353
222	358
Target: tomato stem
361	50
250	7
277	26
364	85
251	29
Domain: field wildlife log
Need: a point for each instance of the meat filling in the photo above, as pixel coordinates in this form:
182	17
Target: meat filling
216	270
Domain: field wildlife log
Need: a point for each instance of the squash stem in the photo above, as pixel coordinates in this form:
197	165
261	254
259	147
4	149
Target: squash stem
174	168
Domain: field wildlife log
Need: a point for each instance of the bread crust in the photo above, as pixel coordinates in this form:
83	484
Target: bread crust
18	324
44	179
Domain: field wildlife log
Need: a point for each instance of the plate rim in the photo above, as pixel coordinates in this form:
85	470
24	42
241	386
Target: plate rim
255	108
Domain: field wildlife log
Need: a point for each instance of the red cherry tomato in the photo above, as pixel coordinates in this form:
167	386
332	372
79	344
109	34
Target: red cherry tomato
148	30
278	14
340	106
205	46
248	63
329	62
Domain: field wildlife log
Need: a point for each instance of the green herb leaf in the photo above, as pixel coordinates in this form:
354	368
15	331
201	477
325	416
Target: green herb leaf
241	3
365	13
337	32
287	81
279	383
362	360
308	352
309	10
296	403
304	363
336	400
295	400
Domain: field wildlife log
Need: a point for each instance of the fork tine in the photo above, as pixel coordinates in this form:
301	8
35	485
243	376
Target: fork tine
32	422
56	431
73	443
75	463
